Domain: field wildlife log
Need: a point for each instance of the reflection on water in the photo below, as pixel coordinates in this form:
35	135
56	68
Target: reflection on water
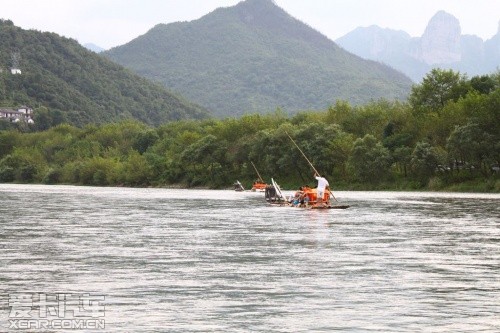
199	260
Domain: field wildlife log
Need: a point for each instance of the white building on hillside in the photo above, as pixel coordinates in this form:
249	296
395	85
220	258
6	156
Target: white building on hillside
23	113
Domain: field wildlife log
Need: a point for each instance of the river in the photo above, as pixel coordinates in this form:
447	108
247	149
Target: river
169	260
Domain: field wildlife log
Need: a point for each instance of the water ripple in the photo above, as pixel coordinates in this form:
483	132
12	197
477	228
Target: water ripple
199	260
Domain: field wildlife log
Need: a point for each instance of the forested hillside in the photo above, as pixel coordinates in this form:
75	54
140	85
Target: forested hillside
446	137
64	82
254	57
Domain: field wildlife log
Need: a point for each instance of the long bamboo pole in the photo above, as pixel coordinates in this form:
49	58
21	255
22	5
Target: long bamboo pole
312	166
258	174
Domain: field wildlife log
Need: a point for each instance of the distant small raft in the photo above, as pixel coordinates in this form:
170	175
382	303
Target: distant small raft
258	186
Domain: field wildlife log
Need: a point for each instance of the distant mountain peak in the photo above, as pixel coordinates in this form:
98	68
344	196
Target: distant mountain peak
442	45
373	42
93	47
262	8
255	57
443	14
258	3
440	42
272	19
445	21
263	13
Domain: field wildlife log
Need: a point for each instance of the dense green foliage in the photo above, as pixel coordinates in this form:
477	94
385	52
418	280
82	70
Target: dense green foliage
64	82
379	145
254	57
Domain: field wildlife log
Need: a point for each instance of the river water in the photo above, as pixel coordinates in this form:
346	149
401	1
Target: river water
168	260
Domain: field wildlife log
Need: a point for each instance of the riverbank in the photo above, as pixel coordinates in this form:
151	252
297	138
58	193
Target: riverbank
434	185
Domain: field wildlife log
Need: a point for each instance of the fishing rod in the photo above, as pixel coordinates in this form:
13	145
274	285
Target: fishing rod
312	166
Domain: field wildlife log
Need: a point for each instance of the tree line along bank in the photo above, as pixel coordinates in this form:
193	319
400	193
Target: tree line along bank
447	136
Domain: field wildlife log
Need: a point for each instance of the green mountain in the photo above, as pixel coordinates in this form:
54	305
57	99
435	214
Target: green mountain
78	85
254	57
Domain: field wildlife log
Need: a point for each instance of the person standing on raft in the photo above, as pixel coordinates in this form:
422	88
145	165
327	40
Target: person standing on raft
322	186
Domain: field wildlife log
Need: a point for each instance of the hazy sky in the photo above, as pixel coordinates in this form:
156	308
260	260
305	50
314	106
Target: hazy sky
109	23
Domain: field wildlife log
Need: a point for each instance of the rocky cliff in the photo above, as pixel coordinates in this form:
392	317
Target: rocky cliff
442	45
